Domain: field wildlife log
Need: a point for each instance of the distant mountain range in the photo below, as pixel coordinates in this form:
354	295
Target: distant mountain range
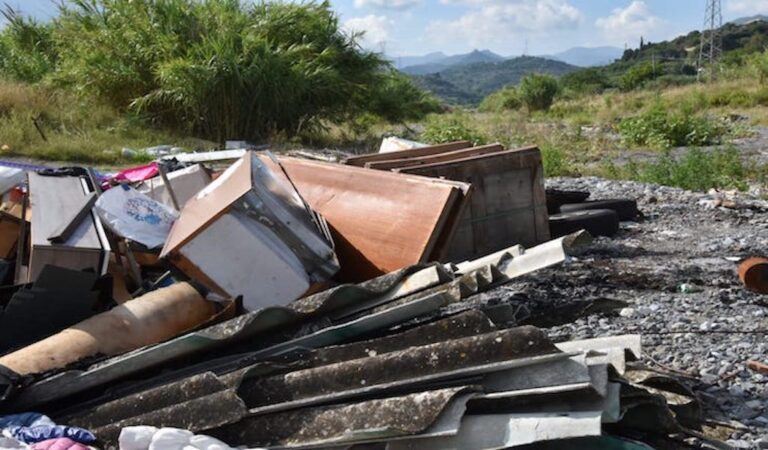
435	65
439	61
470	83
588	56
467	78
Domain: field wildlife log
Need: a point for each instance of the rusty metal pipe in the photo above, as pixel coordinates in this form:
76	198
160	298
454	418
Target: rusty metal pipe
754	274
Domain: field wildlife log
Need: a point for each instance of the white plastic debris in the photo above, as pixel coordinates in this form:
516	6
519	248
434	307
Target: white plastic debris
396	144
135	216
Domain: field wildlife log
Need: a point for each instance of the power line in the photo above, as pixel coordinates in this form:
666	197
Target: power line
711	47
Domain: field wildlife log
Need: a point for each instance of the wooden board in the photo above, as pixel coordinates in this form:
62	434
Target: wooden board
362	160
10	226
396	164
507	206
380	221
52	199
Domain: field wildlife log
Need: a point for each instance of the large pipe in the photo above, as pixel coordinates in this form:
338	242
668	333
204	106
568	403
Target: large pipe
149	319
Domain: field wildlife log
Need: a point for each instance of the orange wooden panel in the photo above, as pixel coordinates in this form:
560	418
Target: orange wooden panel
380	221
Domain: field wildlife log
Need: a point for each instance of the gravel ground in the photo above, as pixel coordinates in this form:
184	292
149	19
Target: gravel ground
676	272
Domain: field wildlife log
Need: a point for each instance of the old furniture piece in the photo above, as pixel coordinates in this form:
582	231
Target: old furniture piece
52	200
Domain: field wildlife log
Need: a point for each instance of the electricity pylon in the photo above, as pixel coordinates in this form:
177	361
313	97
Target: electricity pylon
711	39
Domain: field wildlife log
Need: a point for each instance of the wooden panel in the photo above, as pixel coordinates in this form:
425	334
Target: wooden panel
362	160
507	206
10	227
380	221
52	199
431	159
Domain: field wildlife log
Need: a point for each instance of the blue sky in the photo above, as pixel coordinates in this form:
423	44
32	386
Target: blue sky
508	27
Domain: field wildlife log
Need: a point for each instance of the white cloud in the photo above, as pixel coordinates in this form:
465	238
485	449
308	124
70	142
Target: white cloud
376	29
631	23
747	7
496	22
387	4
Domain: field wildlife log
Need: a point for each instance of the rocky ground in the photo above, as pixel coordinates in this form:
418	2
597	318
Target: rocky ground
675	272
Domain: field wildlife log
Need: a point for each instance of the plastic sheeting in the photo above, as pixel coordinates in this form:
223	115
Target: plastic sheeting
151	438
135	216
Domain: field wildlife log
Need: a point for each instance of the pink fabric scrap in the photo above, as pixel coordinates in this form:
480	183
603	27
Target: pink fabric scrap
139	173
59	444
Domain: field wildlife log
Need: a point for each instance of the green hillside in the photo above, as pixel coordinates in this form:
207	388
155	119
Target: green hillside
468	84
672	62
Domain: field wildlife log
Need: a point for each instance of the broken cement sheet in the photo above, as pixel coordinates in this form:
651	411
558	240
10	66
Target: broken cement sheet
249	233
371	420
135	216
248	326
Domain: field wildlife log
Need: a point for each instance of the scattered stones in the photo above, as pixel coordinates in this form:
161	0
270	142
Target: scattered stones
709	329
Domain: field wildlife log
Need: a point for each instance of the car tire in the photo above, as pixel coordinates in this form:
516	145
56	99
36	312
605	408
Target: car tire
626	209
599	222
557	198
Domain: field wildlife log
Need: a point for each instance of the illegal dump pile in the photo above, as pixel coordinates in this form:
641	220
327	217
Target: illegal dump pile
239	298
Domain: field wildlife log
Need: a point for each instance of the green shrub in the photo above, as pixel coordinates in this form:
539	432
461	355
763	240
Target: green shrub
555	161
26	48
506	99
225	68
636	76
759	63
538	91
585	82
697	170
668	81
659	128
395	98
448	128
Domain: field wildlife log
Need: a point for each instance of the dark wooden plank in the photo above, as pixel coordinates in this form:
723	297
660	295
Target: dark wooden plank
361	160
52	200
70	224
507	206
431	159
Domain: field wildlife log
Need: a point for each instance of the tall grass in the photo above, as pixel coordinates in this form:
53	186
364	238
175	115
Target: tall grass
217	69
72	128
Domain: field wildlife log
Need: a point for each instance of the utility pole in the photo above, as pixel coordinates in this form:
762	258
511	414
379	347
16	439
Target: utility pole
711	47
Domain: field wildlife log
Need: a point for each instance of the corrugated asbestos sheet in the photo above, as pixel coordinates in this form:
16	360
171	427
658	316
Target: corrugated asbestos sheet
379	365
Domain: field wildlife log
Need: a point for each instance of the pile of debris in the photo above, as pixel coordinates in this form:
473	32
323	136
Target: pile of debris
239	298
